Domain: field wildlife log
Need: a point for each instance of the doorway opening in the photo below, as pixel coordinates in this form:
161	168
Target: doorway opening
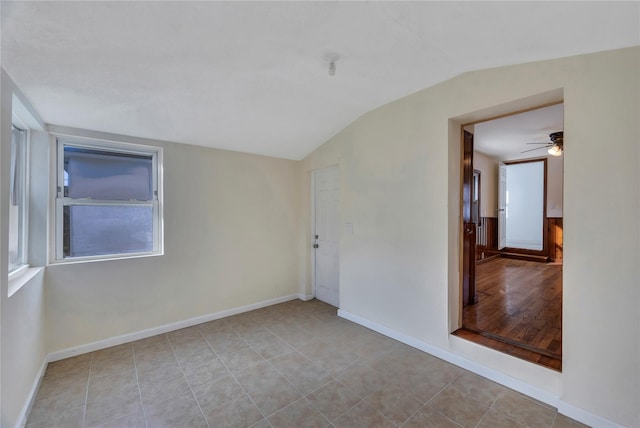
511	209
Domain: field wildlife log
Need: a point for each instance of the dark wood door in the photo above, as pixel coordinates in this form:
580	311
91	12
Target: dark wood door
469	227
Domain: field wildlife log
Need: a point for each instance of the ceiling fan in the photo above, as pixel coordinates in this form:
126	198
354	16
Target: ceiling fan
555	146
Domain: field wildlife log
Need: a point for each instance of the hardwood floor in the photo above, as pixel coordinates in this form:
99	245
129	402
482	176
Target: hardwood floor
519	310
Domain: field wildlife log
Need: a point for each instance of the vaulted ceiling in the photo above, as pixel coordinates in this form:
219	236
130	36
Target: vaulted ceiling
254	76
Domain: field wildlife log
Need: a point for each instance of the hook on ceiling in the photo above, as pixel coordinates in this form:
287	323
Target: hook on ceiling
331	58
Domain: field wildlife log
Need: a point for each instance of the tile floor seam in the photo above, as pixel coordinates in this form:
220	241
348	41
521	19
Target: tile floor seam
135	369
195	398
415	397
482	417
301	395
444	416
234	378
349	409
447	417
281	374
291	382
320	387
86	396
413	414
317	410
507	416
238	382
438	393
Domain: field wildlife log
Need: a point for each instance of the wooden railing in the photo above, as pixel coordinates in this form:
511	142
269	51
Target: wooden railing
486	237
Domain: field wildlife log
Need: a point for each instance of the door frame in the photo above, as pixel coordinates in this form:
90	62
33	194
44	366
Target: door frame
545	234
457	125
312	226
468	233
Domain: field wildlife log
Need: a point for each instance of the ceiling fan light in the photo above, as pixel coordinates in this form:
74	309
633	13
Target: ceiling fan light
555	150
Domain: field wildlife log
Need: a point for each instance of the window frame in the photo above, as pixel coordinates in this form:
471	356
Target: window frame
62	201
23	213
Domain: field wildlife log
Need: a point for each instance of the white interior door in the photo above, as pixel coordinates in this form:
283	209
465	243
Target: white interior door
502	206
327	235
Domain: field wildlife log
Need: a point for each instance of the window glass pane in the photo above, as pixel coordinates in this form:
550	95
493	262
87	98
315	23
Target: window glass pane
98	230
17	198
106	175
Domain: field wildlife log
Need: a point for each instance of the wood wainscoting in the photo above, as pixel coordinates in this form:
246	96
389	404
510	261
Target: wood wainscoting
487	242
554	236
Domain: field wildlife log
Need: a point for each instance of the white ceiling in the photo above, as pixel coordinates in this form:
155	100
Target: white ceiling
253	76
508	137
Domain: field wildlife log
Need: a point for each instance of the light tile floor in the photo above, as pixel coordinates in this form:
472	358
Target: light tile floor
294	364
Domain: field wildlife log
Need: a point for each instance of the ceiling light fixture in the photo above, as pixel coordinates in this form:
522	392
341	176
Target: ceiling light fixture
555	150
555	147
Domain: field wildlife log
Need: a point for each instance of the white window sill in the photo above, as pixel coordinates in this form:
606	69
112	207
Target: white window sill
103	258
20	277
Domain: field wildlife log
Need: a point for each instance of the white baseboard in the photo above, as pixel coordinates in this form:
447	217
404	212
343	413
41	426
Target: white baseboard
306	297
22	418
564	408
143	334
587	418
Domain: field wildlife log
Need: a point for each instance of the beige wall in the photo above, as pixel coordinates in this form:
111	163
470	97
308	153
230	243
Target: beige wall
555	185
488	168
400	174
231	224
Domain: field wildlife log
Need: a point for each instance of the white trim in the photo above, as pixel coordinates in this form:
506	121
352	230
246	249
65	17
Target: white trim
143	334
313	232
585	417
62	141
25	112
102	258
305	297
17	272
59	208
106	145
564	408
31	398
23	161
19	278
313	224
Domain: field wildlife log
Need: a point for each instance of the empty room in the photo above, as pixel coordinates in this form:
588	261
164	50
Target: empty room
283	214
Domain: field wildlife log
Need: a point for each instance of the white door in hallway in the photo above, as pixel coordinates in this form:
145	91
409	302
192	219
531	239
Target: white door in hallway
326	184
502	206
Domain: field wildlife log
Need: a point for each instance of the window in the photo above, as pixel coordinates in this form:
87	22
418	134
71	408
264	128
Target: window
18	200
108	202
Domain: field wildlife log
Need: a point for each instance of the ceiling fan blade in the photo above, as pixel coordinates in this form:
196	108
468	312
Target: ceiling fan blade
537	148
539	143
